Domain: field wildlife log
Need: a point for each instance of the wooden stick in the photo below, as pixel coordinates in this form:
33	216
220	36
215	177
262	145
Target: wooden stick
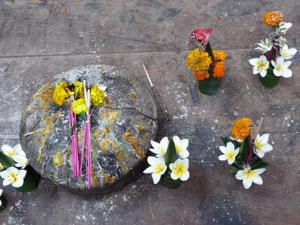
156	95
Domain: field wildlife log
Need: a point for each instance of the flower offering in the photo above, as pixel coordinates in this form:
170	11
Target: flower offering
275	58
207	64
169	165
244	151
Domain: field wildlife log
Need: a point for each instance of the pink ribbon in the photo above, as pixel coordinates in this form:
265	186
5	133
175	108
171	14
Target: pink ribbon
74	142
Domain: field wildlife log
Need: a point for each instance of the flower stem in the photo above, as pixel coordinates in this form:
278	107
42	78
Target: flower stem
211	55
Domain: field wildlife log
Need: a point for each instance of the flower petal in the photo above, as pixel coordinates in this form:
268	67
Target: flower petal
258	180
222	158
185	176
156	178
247	183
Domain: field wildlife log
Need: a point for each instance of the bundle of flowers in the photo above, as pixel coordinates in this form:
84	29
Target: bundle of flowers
208	64
16	171
244	152
274	61
170	164
80	98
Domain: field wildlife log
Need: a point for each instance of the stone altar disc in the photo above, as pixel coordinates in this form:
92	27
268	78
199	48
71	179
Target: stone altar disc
121	131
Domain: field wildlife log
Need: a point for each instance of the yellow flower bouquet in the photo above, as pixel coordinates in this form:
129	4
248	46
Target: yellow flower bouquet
208	65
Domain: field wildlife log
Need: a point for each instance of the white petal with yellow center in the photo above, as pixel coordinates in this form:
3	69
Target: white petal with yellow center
281	68
180	169
262	146
229	153
160	149
249	176
13	176
260	65
181	147
157	168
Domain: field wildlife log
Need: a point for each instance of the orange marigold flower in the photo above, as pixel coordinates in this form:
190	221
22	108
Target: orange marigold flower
242	128
273	18
201	76
198	61
220	55
219	69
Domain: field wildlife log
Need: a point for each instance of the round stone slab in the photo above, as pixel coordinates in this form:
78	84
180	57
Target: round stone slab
121	131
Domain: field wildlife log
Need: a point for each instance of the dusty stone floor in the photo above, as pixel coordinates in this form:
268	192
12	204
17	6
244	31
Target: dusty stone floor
40	38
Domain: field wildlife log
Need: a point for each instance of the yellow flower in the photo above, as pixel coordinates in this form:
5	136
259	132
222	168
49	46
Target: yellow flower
61	93
79	106
242	128
273	18
78	89
199	61
220	55
98	95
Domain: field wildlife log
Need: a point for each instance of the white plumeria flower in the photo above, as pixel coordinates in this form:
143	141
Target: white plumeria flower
281	68
287	53
1	191
261	145
13	176
229	153
180	169
249	176
11	152
157	168
260	65
264	46
181	146
160	149
21	161
284	26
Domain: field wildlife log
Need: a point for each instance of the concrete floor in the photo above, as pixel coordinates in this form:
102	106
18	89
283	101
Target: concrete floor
40	38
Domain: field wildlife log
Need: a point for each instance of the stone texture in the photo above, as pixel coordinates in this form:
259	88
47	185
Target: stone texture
40	40
121	131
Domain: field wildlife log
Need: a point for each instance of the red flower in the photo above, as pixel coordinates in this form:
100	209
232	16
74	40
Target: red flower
201	35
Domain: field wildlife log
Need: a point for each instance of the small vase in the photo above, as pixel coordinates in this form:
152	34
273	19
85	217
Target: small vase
31	181
168	182
209	86
270	80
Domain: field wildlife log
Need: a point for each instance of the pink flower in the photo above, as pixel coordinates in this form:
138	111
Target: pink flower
201	35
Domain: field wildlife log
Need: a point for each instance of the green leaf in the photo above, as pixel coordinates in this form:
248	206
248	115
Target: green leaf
233	169
171	154
83	115
226	139
258	164
244	149
31	181
6	161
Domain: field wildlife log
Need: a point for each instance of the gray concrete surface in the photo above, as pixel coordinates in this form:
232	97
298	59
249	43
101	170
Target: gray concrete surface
40	38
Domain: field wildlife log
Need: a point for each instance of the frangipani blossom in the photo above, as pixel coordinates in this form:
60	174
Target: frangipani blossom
249	176
287	53
13	176
157	168
21	161
11	152
160	149
1	191
229	153
281	68
260	65
284	27
181	146
261	145
180	169
264	46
